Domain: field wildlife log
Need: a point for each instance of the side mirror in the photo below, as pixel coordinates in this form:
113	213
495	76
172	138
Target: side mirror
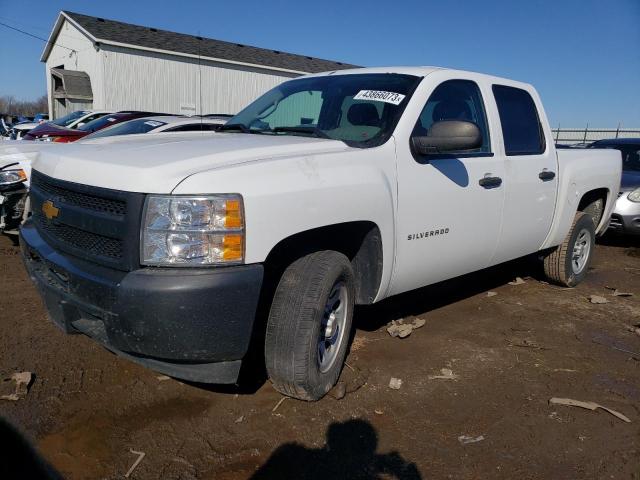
448	136
81	124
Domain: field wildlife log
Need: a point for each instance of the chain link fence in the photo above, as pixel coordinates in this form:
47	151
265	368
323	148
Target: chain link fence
572	136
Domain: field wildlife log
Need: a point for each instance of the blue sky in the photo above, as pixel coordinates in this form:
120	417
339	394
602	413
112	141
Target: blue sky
583	56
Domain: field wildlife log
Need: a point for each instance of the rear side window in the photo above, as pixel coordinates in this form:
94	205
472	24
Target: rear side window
521	126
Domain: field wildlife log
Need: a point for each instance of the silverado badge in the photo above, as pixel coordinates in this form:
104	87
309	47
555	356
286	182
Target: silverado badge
50	210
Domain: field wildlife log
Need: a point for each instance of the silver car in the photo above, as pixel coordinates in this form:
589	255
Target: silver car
626	214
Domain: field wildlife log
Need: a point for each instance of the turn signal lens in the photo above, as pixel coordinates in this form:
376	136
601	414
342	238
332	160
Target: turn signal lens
233	214
232	249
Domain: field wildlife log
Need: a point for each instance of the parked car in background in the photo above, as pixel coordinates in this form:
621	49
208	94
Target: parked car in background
626	214
53	133
328	191
158	124
13	196
41	117
20	130
72	120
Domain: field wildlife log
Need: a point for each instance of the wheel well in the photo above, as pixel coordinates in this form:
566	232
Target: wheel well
591	197
360	242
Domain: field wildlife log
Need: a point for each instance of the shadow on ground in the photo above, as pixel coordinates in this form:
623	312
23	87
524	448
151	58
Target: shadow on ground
349	453
426	299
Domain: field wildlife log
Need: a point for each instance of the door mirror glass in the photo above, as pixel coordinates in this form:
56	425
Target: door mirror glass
448	136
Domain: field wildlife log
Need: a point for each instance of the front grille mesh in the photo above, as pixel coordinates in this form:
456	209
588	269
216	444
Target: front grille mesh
80	199
88	242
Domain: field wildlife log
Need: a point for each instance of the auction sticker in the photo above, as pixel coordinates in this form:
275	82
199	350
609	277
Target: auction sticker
380	96
153	123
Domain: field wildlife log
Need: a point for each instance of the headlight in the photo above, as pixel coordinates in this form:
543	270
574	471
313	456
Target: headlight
191	231
7	177
45	139
635	195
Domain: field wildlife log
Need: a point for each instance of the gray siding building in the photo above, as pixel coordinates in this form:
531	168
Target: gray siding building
95	63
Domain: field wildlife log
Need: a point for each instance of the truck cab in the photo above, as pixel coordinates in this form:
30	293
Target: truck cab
328	191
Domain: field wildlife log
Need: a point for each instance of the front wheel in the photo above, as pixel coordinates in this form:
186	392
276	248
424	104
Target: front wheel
567	265
309	325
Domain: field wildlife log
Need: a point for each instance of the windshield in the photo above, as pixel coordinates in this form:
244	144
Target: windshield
131	127
362	109
98	123
68	119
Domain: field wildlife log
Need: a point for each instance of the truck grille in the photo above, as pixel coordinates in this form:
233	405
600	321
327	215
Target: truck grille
84	200
95	224
89	242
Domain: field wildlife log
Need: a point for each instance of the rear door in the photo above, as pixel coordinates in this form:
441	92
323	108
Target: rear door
531	180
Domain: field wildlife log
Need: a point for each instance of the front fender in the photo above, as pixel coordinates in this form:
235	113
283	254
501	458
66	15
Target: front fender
286	196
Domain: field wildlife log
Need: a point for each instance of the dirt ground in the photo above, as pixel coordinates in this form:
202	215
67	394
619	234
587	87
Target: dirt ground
509	354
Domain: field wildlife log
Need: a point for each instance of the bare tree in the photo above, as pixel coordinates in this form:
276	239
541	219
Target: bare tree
9	105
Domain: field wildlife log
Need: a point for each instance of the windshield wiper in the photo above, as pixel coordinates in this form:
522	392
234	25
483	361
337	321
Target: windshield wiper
315	131
234	126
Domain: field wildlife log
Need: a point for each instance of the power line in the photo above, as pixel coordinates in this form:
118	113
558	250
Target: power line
35	36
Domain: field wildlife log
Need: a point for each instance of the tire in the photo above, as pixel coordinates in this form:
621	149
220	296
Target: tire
561	265
596	210
309	289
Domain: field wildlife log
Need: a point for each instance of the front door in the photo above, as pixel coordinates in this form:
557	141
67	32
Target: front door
449	215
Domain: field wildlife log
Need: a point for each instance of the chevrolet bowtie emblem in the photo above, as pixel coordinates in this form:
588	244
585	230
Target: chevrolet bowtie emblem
50	210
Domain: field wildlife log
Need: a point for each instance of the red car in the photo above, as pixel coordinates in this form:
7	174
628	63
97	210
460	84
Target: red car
53	133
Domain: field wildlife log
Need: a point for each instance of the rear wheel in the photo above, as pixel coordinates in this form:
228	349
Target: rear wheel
568	264
309	325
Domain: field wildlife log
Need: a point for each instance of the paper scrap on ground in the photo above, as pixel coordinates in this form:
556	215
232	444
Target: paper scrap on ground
517	281
19	385
588	405
618	293
395	383
491	294
447	374
597	299
402	329
136	463
465	439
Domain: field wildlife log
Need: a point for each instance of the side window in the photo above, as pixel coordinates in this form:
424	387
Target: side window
521	126
455	100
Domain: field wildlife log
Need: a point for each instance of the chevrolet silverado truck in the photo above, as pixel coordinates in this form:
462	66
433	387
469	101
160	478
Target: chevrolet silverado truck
332	190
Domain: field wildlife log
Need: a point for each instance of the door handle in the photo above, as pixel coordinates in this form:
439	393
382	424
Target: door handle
490	182
545	175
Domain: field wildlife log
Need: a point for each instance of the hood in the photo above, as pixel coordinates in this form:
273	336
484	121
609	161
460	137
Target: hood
630	180
26	126
22	152
157	163
50	129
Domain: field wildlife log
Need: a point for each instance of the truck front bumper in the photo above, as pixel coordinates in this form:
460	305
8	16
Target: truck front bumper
626	216
194	324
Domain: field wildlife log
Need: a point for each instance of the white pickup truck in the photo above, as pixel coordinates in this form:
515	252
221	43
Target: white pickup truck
328	191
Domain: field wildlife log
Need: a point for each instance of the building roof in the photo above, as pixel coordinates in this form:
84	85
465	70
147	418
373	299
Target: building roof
101	30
